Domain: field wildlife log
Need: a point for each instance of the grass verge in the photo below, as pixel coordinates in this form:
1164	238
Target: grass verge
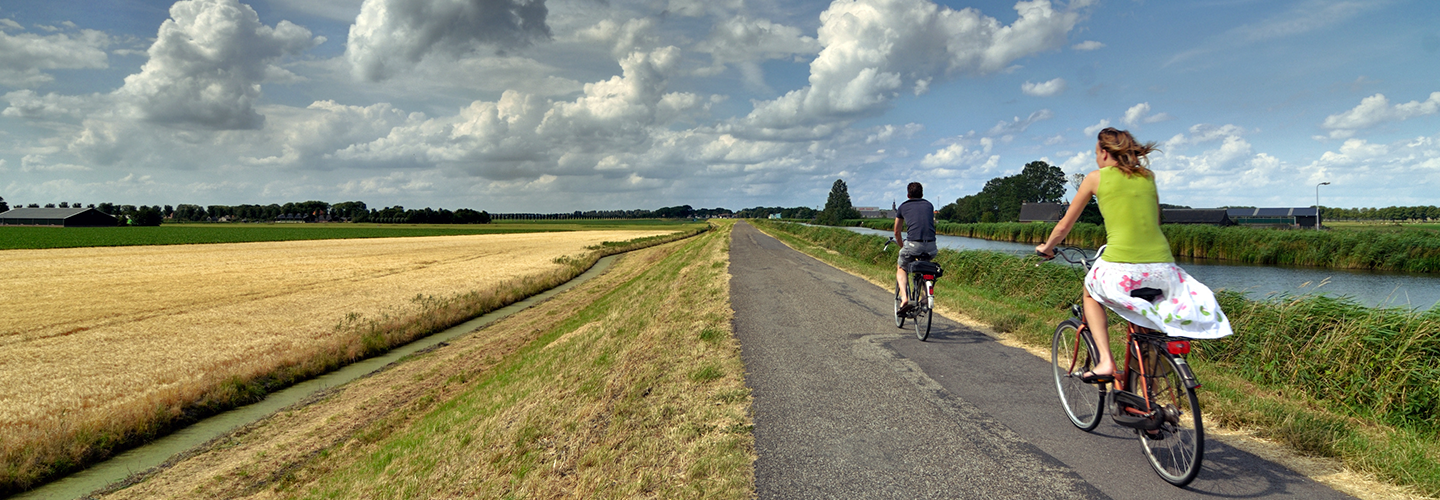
1325	377
629	385
58	451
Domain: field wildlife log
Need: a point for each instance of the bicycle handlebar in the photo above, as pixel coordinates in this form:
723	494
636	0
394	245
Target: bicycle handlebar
1068	254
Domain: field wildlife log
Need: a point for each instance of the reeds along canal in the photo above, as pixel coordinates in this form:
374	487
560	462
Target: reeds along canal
1372	288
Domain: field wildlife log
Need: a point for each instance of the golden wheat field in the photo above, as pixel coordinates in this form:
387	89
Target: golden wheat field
91	335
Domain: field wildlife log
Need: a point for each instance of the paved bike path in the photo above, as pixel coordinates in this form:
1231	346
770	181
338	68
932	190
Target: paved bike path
848	406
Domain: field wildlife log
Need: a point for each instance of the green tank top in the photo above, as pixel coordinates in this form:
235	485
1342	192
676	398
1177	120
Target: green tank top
1131	209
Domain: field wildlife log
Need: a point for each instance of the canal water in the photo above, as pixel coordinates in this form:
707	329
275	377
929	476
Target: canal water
1372	288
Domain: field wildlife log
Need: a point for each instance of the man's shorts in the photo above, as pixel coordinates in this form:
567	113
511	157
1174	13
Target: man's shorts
914	250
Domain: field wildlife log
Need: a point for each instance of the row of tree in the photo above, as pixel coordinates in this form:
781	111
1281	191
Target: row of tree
1001	198
1425	213
353	211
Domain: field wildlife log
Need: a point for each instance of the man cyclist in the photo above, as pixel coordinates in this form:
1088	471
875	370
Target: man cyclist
917	217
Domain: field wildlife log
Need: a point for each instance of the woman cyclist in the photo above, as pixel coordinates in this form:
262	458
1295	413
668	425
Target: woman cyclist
1136	254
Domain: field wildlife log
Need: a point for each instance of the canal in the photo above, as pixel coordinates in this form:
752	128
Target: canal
1372	288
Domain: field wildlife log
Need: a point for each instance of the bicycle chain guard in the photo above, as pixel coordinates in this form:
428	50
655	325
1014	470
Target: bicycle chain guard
1126	403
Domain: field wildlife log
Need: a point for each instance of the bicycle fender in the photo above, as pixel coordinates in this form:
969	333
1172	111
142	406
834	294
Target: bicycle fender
1186	374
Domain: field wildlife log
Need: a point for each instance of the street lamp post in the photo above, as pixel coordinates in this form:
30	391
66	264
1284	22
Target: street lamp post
1317	204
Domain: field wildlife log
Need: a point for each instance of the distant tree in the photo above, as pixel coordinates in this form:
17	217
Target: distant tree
146	216
676	212
4	207
837	205
49	205
468	216
1001	198
64	204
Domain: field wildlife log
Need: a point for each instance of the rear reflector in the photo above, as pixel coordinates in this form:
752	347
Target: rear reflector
1178	347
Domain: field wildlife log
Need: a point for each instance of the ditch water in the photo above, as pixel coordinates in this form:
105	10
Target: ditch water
150	455
1372	288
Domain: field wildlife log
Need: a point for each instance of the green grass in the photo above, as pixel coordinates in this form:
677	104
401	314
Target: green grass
638	394
13	237
1327	376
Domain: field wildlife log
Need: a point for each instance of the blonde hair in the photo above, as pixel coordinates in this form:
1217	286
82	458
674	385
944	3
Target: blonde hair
1129	153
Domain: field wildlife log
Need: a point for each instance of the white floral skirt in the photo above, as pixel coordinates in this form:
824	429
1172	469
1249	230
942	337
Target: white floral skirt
1187	307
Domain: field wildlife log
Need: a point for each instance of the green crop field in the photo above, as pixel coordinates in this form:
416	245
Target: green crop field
15	237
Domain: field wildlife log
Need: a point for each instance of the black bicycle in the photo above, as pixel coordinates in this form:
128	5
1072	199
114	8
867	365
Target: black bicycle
1154	392
923	274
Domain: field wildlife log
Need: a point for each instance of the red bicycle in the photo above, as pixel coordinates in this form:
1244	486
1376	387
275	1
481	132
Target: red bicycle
1154	393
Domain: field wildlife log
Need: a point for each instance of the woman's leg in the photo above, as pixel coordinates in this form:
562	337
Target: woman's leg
1095	318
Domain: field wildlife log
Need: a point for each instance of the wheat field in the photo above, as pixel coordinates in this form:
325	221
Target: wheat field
91	338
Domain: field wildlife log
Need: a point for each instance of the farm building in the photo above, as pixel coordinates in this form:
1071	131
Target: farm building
1275	217
1211	216
1042	212
65	217
875	213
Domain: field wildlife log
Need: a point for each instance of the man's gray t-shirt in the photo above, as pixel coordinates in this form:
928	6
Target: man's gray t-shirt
919	218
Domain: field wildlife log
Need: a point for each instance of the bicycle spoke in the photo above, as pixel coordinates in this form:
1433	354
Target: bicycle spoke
1177	451
1071	352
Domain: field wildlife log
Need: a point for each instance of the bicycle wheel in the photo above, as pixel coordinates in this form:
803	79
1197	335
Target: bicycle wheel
1177	448
899	318
1072	354
923	314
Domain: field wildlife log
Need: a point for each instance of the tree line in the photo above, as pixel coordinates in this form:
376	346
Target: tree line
1423	213
351	211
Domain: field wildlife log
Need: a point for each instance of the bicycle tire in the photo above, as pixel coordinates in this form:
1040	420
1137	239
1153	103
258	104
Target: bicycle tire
899	318
1179	449
923	314
1083	403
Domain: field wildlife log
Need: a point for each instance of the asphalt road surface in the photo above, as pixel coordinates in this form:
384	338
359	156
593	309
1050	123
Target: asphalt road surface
849	406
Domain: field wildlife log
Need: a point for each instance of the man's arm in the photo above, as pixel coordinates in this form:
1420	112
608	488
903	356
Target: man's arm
899	226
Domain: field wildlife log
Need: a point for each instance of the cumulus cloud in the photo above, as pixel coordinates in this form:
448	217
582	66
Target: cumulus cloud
517	136
623	38
956	154
745	43
1044	89
24	57
873	50
1094	130
1224	163
38	163
1375	110
393	35
1140	113
1088	45
29	105
207	64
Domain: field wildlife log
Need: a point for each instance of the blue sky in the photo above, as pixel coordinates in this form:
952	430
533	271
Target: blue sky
559	105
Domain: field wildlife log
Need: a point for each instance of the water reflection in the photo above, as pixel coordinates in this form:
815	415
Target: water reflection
1373	288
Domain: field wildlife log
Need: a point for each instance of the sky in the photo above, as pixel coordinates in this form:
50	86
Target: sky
563	105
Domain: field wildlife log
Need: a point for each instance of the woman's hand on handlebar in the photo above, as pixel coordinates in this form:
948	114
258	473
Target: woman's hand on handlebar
1045	251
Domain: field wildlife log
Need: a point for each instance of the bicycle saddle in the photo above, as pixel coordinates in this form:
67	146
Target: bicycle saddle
1149	294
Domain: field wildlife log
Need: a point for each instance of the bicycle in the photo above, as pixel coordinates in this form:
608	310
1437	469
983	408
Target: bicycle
923	274
1154	393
